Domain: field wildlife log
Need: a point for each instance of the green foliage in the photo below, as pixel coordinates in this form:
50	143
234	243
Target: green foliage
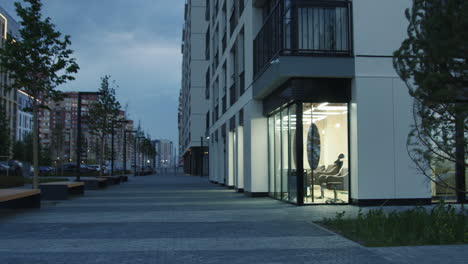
4	134
433	63
40	59
18	150
23	150
147	147
105	111
44	180
45	157
11	181
37	61
102	116
57	140
439	226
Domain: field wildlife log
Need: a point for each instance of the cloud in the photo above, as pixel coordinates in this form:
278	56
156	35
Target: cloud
137	42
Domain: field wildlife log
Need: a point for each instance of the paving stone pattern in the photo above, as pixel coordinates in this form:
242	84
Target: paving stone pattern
178	219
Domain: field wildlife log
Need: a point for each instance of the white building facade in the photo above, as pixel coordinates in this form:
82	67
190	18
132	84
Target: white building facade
193	105
305	105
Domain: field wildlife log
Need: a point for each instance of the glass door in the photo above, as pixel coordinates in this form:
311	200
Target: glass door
325	153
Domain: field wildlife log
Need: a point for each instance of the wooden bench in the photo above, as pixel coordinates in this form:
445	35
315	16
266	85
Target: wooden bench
94	183
60	190
20	198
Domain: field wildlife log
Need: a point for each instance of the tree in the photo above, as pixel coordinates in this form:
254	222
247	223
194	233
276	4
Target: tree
147	148
433	63
37	62
102	114
5	140
18	150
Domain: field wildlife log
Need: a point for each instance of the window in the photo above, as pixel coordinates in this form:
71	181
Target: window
323	131
325	152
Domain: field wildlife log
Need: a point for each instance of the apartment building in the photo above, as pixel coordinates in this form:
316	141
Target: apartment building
58	128
193	104
305	105
164	158
8	98
24	116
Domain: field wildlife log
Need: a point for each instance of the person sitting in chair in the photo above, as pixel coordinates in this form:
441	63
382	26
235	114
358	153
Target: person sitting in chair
332	168
339	162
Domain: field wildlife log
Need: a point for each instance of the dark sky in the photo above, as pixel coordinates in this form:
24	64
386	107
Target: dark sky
137	42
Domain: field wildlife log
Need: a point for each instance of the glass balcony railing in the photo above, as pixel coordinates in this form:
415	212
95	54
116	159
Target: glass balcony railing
304	28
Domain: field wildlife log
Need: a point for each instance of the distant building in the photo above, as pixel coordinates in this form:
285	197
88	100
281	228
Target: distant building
164	153
193	103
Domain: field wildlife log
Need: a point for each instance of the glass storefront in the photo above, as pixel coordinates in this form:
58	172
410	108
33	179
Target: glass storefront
310	167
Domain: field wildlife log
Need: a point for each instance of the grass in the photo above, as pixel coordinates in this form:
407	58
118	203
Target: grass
83	174
443	225
43	180
18	181
11	181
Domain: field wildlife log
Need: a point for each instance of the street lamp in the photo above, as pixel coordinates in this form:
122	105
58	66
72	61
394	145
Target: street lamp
78	134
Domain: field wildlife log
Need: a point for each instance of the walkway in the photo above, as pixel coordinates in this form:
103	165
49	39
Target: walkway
175	219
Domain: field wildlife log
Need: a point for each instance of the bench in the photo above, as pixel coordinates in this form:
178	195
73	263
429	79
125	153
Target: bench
94	183
60	190
111	180
20	198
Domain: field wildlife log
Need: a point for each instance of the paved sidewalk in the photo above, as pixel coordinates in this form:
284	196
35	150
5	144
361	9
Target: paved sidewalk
178	219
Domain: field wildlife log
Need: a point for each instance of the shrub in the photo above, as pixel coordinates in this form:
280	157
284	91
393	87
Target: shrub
419	226
11	181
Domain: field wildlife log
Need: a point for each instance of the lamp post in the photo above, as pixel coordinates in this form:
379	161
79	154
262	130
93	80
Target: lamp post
78	134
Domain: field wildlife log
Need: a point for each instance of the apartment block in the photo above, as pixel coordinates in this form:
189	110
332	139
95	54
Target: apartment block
304	103
193	103
8	97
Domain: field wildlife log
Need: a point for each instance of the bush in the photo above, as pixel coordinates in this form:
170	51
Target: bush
11	181
440	226
43	180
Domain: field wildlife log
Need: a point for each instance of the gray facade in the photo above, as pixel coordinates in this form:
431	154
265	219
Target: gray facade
193	105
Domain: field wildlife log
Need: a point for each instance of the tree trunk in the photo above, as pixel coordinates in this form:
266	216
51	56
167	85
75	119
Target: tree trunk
35	144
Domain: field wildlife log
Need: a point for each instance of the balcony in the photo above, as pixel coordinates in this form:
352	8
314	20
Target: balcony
304	28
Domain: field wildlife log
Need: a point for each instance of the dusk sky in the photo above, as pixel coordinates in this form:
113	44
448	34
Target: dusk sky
137	42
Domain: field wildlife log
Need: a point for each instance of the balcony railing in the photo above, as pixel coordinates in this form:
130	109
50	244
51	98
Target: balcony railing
304	28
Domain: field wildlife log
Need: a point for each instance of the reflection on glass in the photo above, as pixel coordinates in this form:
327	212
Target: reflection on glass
325	152
271	154
278	155
292	179
285	154
443	176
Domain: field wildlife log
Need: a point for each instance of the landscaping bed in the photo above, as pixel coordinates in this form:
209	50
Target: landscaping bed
443	225
44	180
11	181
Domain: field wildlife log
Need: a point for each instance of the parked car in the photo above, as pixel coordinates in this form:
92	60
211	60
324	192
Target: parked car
94	167
16	167
71	167
45	169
